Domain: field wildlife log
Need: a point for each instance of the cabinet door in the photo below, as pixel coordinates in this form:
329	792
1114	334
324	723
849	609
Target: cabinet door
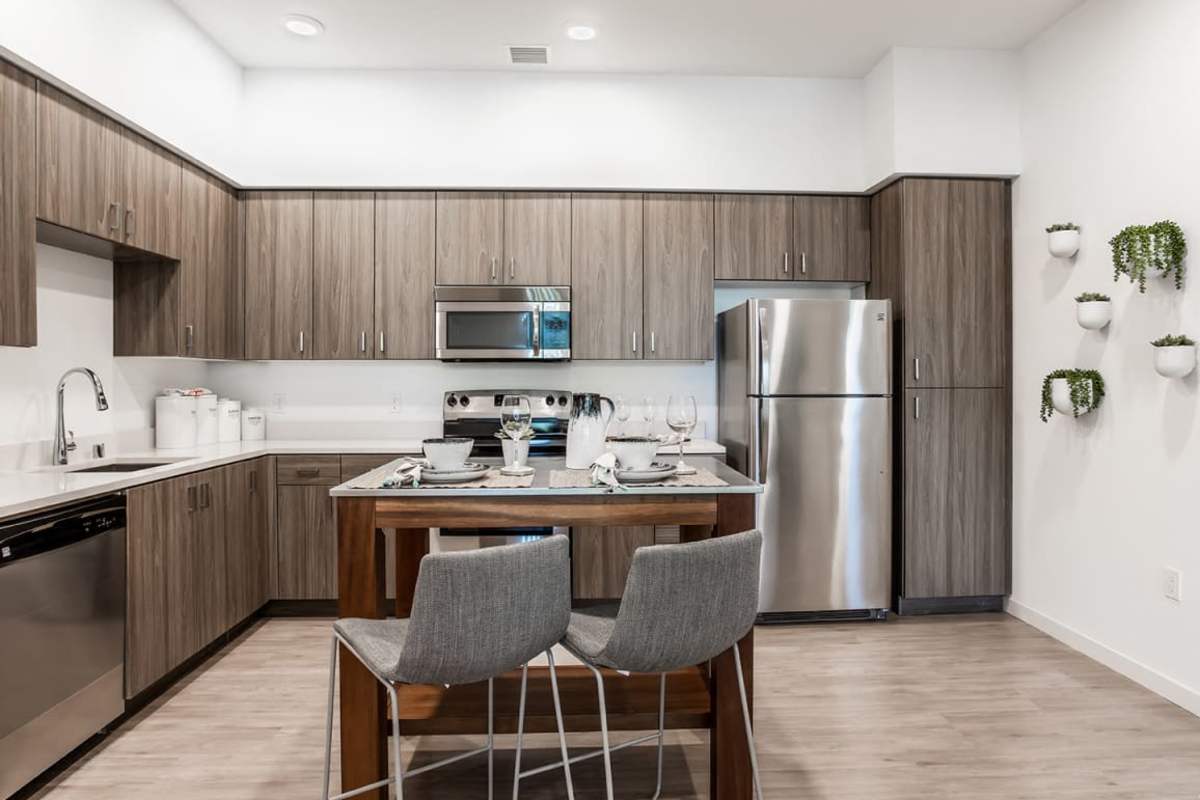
195	266
246	525
470	238
601	557
154	513
79	166
224	316
606	276
18	207
957	290
956	487
279	275
832	238
753	237
196	567
150	188
343	275
679	319
537	239
307	542
404	258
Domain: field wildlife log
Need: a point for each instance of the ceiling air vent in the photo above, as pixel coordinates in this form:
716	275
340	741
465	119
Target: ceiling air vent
529	54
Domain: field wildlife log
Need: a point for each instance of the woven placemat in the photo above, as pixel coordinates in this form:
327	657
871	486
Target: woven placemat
492	479
582	479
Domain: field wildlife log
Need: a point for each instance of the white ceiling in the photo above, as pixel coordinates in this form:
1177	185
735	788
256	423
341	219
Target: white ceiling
813	38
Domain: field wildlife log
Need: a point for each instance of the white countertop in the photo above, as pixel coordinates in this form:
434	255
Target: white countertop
32	490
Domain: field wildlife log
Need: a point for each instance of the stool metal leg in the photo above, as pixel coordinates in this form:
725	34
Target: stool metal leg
491	736
608	781
395	699
662	726
520	731
333	659
562	733
737	663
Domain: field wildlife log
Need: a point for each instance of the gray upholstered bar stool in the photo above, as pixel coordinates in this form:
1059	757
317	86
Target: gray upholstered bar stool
684	604
475	615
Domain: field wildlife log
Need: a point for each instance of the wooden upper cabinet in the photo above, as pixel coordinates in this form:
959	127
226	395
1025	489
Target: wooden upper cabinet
279	275
956	251
79	166
832	238
404	269
955	496
343	275
606	276
225	301
150	196
197	246
470	238
537	239
679	318
18	207
753	237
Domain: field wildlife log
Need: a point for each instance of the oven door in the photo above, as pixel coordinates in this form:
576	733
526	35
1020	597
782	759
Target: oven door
503	331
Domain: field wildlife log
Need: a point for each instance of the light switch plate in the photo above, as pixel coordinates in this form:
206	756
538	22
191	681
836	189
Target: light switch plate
1173	585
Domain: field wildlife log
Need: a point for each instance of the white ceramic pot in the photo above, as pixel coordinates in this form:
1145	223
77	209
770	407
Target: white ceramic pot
1064	244
515	452
1094	314
447	453
1175	362
1060	398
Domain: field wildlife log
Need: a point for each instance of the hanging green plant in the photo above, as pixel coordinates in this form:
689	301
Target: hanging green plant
1086	388
1139	248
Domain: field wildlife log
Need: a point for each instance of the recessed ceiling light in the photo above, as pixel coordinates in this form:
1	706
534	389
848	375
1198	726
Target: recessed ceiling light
302	25
581	33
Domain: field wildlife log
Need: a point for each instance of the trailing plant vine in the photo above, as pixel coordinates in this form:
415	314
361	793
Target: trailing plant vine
1174	340
1062	226
1092	297
1087	390
1139	248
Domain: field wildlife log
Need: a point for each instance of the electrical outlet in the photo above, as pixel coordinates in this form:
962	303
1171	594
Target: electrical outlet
397	404
1173	585
278	401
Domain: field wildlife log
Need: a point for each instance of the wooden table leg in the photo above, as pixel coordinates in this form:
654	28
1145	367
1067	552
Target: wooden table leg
412	544
729	760
361	593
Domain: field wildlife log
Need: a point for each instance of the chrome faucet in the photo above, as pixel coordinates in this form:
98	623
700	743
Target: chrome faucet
62	445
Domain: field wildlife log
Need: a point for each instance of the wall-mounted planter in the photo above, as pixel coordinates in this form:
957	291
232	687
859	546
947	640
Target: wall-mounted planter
1094	314
1071	392
1175	362
1060	396
1063	244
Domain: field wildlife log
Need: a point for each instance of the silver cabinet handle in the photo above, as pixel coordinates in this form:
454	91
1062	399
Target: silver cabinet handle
362	342
917	368
129	222
381	348
301	341
652	348
803	263
253	483
512	268
114	214
786	259
916	407
494	269
189	332
205	495
635	341
191	499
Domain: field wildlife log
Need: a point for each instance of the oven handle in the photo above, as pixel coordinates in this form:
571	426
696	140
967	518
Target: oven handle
537	332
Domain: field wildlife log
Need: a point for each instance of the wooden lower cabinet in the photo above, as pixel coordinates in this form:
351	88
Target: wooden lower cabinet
196	568
153	512
250	500
307	543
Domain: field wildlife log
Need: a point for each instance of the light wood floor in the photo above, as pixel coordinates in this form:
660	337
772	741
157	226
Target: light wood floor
970	708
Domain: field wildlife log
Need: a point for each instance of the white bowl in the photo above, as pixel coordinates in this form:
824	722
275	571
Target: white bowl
634	452
447	453
1175	362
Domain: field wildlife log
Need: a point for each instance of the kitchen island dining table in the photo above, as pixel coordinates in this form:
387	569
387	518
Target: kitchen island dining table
699	697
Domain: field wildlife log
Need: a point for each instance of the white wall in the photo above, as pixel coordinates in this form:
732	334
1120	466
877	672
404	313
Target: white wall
385	128
1104	503
879	119
75	328
144	59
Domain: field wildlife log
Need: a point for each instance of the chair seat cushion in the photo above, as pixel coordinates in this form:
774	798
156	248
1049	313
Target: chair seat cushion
589	631
376	642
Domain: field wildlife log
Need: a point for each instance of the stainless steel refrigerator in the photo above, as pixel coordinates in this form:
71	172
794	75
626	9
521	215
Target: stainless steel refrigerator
805	393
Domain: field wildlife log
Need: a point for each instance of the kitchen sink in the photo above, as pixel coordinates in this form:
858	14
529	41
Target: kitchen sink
121	466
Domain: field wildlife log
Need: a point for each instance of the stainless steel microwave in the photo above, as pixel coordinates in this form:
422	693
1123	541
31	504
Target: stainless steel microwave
502	323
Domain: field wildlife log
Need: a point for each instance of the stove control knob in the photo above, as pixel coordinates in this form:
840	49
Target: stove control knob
549	400
562	400
464	401
452	401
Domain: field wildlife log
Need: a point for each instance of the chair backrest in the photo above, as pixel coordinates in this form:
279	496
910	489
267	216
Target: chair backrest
479	613
686	603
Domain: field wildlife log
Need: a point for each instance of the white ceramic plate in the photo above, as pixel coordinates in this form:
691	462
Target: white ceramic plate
656	472
468	472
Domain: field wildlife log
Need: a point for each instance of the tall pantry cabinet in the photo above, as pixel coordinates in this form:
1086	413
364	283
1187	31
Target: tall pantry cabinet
941	252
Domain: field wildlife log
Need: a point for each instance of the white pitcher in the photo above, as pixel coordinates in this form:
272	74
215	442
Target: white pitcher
587	429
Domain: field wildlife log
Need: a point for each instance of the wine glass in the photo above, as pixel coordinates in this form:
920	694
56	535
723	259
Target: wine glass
647	412
621	412
681	418
516	419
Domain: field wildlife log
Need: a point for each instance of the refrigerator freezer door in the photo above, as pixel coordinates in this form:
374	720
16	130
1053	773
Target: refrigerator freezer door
826	513
822	347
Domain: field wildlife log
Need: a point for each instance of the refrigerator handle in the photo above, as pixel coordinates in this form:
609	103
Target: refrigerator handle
764	366
759	436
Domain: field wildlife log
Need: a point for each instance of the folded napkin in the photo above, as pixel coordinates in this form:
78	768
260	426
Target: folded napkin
406	471
604	471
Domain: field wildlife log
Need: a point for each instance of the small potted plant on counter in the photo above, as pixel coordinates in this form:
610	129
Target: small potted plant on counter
1174	356
1064	239
1140	248
1093	310
1071	391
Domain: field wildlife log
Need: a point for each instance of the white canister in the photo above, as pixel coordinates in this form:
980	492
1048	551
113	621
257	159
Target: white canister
229	420
206	419
174	421
254	425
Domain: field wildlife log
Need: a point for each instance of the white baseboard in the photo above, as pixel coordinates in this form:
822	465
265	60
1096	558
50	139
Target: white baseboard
1181	695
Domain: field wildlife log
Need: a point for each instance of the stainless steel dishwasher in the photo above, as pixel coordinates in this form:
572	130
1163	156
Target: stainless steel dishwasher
62	629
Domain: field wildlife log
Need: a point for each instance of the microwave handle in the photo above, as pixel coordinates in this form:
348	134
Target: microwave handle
537	333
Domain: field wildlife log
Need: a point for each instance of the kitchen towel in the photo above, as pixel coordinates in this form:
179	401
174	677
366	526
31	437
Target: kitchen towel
582	479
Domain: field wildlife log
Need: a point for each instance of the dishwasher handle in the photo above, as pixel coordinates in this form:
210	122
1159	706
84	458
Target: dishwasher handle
41	533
